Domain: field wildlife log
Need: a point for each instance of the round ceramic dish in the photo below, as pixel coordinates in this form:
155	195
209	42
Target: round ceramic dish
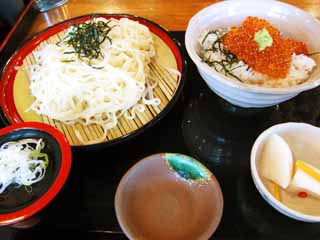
17	98
168	196
303	140
17	204
290	20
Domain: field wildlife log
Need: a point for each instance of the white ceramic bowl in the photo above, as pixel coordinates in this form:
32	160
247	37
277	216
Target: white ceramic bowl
303	140
290	20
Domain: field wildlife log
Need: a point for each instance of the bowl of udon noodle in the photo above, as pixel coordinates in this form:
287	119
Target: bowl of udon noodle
255	54
99	78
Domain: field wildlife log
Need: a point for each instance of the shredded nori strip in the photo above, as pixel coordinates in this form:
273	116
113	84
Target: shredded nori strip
314	53
86	37
230	58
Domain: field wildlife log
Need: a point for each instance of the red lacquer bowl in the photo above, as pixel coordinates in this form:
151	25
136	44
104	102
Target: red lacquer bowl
168	89
18	204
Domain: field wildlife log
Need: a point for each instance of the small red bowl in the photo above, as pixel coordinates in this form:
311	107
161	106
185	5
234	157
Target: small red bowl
17	204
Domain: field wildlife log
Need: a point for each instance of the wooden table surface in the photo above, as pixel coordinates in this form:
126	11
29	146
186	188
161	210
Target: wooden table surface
171	14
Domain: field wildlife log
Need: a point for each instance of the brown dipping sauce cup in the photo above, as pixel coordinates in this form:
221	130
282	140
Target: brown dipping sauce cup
168	196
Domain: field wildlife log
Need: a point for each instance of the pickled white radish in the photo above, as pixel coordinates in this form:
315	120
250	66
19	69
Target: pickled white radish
277	161
306	179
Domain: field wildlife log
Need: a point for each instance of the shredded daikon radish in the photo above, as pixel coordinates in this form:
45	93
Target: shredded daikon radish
99	91
20	163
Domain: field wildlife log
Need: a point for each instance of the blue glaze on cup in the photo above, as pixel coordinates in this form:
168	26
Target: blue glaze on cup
186	167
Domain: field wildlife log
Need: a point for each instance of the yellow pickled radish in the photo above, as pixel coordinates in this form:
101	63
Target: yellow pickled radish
277	161
306	179
276	192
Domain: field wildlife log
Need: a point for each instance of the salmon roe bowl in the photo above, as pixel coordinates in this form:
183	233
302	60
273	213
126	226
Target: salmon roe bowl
255	54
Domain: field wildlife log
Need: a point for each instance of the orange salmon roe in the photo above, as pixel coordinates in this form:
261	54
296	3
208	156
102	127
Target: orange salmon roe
273	61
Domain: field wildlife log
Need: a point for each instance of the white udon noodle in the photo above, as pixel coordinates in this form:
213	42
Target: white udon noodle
69	90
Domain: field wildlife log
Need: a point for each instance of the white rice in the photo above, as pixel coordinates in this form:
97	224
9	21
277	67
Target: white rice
300	68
